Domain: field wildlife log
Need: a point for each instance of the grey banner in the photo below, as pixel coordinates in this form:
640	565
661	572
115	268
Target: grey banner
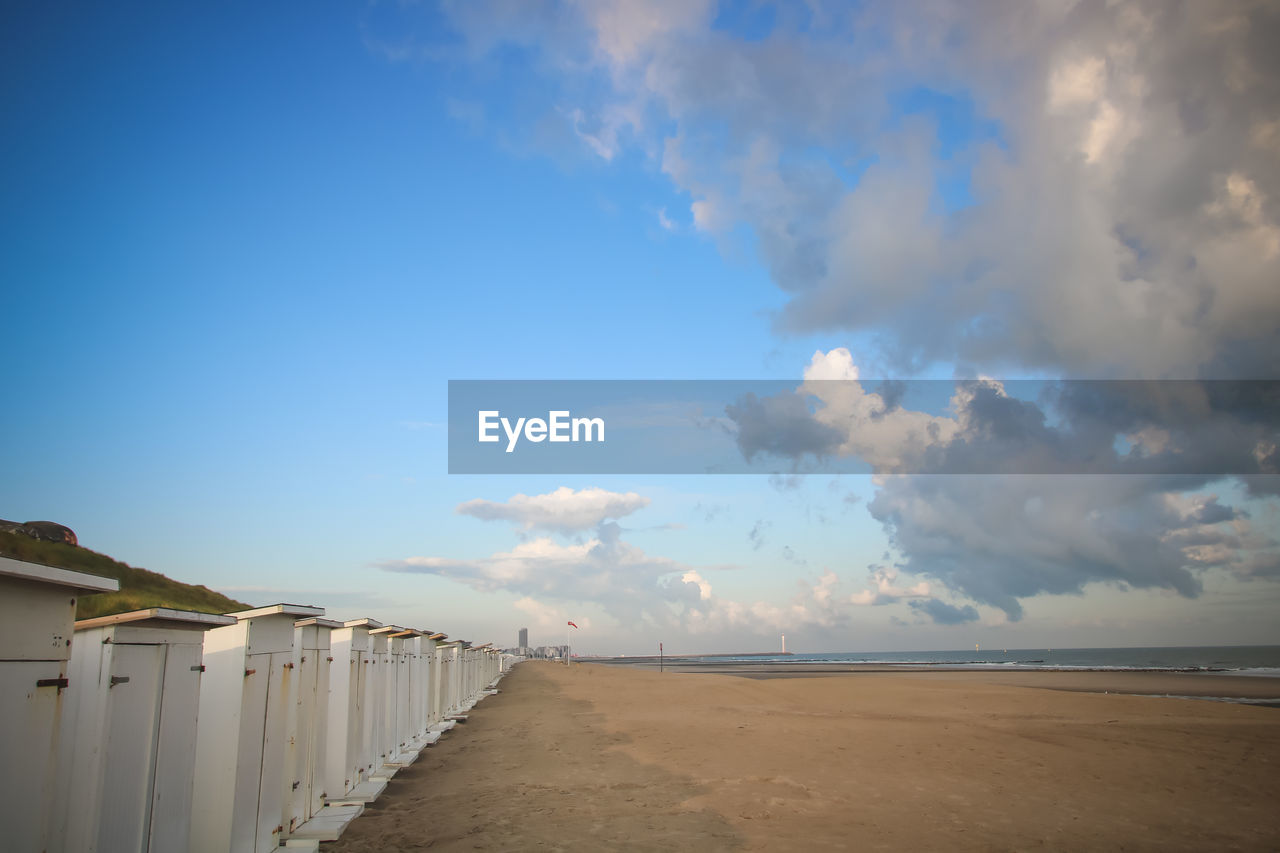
1195	428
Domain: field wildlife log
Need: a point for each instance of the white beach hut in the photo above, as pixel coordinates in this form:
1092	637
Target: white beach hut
307	814
240	744
128	731
452	678
442	684
350	766
375	720
395	700
416	724
435	681
412	719
37	611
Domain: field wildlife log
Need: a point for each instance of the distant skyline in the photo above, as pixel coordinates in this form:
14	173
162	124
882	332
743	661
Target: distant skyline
244	250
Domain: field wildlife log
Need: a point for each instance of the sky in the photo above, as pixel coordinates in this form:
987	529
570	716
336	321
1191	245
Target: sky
244	249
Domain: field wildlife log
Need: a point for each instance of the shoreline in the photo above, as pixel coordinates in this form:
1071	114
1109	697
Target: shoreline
1173	683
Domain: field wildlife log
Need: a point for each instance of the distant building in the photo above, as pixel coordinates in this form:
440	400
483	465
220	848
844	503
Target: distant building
524	638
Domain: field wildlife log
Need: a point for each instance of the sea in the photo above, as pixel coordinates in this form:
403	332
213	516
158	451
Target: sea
1263	661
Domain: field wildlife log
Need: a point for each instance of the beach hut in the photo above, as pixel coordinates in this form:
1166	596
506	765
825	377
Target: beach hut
375	721
477	674
435	682
395	703
417	670
426	669
37	612
307	813
453	677
349	777
443	684
240	744
128	753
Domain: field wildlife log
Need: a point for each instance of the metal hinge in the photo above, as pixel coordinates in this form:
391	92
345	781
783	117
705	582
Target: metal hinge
198	668
60	683
119	679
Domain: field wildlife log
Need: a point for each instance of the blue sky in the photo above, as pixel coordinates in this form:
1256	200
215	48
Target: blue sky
245	249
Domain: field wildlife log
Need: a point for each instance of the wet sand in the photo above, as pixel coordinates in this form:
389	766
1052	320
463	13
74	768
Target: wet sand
617	758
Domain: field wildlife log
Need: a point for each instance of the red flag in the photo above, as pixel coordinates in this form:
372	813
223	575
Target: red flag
571	625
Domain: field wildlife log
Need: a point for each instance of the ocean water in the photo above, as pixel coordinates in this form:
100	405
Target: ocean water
1235	660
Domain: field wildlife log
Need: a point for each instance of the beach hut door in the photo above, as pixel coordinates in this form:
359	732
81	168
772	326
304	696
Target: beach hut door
137	680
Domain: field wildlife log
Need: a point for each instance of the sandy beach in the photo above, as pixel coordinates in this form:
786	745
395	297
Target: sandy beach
596	757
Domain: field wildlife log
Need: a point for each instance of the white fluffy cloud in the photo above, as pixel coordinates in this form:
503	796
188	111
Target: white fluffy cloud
635	588
883	591
563	510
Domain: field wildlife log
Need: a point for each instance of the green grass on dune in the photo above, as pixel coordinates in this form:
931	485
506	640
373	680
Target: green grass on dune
139	588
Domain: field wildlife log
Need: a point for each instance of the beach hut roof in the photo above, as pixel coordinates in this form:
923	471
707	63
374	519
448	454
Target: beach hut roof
316	620
362	623
299	610
159	617
22	570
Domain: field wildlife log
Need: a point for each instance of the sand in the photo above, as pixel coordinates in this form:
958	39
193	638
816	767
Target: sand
597	757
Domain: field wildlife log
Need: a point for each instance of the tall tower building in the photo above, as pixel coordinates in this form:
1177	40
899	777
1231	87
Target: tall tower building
524	638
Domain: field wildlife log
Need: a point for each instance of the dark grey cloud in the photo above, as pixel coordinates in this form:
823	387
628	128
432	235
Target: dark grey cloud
782	425
1186	427
1000	540
1213	512
786	482
943	613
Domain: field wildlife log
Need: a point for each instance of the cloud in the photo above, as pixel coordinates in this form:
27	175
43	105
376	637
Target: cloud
633	587
563	510
547	617
1121	207
637	589
1002	539
787	482
943	613
781	425
883	590
1182	427
629	583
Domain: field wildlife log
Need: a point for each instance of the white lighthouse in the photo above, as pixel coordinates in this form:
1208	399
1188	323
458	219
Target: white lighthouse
784	644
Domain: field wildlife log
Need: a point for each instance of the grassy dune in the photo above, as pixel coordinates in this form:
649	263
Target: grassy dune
139	588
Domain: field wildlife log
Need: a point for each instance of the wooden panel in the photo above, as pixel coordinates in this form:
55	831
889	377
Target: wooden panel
132	729
248	768
36	620
176	752
28	750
